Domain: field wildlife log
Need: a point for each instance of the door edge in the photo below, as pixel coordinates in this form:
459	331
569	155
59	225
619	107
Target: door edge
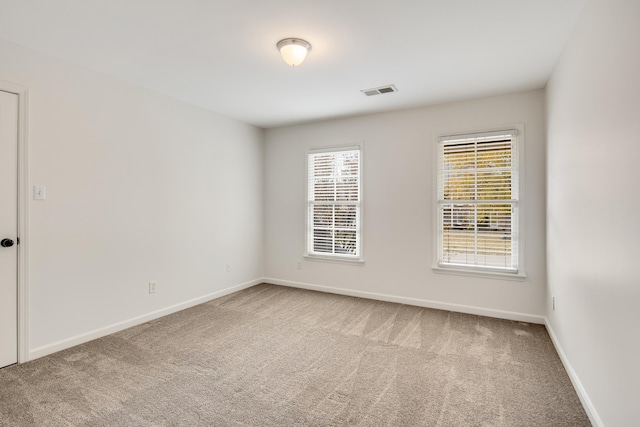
23	217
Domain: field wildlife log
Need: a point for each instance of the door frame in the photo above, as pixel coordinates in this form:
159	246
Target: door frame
23	218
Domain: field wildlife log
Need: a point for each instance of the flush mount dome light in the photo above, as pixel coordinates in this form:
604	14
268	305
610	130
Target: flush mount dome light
293	51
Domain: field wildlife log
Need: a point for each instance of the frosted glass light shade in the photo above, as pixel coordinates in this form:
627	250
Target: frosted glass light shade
293	51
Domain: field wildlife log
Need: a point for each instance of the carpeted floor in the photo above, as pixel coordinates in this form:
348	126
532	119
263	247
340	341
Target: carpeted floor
276	356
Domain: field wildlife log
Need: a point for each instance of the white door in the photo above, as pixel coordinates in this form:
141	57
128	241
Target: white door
8	228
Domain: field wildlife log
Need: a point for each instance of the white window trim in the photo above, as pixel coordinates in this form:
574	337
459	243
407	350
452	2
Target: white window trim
518	276
336	259
489	274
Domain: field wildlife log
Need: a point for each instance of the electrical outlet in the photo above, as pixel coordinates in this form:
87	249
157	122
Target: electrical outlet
299	265
228	267
152	287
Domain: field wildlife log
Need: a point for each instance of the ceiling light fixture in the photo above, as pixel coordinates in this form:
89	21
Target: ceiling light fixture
293	50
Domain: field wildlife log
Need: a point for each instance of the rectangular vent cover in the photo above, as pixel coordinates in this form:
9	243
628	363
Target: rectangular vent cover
380	90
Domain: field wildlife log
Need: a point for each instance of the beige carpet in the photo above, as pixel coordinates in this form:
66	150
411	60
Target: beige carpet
275	356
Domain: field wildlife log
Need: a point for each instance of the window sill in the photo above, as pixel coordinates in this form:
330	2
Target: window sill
516	277
335	260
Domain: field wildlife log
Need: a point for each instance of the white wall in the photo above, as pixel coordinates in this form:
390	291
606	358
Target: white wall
398	206
140	187
593	208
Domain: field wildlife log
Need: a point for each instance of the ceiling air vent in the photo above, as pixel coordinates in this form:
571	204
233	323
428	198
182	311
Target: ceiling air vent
379	90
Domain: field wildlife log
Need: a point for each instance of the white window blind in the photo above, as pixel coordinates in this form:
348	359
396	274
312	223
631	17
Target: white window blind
478	201
333	203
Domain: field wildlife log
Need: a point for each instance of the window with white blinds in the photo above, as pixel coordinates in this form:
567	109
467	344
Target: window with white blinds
478	201
333	203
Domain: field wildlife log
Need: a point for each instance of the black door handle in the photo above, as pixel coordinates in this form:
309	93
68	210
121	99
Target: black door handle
6	243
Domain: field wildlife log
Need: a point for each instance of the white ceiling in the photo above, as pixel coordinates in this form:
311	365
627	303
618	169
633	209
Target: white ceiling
221	55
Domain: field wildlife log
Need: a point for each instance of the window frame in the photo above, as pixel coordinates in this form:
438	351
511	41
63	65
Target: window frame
335	258
479	271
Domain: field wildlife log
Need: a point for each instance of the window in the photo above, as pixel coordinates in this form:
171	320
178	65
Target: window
478	201
333	203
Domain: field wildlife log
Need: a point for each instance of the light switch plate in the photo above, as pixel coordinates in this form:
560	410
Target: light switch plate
39	192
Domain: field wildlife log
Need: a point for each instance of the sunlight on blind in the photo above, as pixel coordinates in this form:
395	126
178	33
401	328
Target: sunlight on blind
478	201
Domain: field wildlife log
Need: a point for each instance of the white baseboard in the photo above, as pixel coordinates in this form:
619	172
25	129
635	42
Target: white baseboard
521	317
500	314
107	330
577	385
